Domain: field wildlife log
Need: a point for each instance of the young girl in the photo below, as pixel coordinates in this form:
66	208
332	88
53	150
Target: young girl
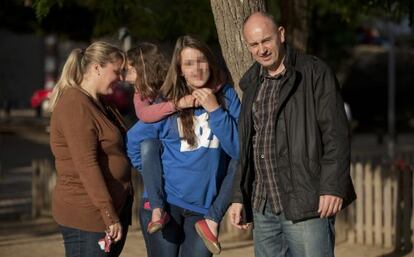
197	144
146	70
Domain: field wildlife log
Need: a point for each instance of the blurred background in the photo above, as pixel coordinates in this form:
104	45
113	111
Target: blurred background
369	44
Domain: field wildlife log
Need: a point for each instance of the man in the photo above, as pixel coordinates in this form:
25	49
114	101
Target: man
295	157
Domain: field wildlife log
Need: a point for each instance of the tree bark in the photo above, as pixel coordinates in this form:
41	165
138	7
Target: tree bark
229	16
294	16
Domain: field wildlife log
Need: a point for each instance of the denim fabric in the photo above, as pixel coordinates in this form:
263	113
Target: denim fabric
80	243
155	243
153	181
178	238
275	236
144	219
222	201
152	171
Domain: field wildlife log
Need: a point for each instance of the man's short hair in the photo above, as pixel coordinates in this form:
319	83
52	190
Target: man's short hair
265	14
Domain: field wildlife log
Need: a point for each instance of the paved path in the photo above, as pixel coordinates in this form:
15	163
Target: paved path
24	138
40	239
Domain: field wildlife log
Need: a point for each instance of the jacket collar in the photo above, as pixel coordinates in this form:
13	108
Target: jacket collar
291	54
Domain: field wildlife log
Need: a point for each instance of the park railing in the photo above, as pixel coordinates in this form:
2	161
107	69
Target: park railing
43	182
381	216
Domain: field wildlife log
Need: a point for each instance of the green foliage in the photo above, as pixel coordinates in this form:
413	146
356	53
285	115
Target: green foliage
167	19
70	21
43	7
145	19
334	24
352	11
273	7
16	17
164	20
107	15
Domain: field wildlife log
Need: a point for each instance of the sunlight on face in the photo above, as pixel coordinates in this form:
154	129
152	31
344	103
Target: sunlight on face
131	74
110	74
264	41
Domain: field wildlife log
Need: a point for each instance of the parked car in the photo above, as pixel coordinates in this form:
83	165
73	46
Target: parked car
121	97
40	101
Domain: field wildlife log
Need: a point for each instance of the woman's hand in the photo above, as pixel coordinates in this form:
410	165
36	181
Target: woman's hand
187	101
206	98
115	231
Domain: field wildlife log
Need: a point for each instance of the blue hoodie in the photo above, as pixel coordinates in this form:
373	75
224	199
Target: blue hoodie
192	176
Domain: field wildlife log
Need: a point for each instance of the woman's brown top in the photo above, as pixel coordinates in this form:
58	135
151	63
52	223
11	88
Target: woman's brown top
94	174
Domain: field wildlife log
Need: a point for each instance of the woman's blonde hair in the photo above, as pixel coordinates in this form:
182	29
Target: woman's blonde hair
78	64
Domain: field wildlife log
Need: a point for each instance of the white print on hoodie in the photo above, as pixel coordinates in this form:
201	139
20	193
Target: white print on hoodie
202	132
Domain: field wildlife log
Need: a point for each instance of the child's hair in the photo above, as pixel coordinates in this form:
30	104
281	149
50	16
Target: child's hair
175	86
78	64
151	68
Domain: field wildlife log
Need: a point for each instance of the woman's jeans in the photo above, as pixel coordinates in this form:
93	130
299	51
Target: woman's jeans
81	243
275	236
177	238
152	176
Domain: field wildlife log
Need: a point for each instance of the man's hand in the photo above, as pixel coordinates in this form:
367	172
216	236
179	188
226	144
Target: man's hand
329	205
235	216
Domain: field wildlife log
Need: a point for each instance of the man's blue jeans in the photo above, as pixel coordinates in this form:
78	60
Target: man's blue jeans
275	236
177	238
152	176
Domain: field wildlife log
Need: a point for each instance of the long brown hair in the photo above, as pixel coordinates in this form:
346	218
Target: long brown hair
78	64
175	86
151	68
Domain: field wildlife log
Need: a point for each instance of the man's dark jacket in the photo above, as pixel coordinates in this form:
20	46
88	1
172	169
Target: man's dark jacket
312	138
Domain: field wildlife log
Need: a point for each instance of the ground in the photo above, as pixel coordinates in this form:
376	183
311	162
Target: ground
40	238
24	138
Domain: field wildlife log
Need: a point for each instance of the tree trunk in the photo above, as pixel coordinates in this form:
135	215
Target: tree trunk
294	16
229	16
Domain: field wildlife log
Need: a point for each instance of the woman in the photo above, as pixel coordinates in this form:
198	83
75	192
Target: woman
93	193
197	144
146	70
